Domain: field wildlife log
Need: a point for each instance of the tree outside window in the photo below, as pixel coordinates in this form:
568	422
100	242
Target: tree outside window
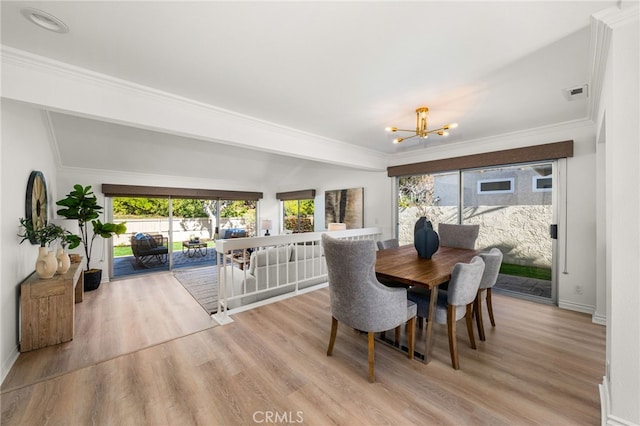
298	215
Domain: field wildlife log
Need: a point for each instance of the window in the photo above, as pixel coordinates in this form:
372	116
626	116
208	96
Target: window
542	183
495	186
298	215
298	208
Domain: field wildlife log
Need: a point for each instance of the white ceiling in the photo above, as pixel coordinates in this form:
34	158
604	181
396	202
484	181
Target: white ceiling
340	70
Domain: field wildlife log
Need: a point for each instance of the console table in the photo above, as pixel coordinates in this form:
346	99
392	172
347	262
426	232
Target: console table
48	308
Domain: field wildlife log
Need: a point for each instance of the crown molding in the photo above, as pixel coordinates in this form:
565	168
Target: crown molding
65	88
602	25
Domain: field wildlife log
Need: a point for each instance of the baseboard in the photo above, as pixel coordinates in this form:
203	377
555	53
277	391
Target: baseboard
579	307
6	367
599	319
606	418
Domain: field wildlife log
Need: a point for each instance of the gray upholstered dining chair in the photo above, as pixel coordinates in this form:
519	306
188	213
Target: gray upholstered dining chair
359	300
458	236
455	303
492	261
387	244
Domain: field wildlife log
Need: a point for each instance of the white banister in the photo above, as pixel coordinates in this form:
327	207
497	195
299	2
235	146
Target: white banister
258	270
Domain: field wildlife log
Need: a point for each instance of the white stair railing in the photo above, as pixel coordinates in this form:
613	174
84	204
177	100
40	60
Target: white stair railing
259	270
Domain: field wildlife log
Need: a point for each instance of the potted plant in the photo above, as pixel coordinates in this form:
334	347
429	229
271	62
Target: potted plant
43	235
81	204
46	263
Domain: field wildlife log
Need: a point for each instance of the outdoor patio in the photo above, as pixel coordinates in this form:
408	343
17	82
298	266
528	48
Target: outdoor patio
127	265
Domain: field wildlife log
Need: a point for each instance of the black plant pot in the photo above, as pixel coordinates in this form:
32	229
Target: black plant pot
92	279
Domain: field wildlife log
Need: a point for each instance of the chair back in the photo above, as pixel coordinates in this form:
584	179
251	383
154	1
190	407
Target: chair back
492	261
464	282
387	244
458	236
358	299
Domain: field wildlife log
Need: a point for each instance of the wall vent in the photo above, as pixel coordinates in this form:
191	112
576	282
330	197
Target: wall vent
575	93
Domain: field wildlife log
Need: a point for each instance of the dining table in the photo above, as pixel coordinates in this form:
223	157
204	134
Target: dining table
402	265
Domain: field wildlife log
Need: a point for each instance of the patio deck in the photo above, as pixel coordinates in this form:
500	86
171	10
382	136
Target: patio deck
127	265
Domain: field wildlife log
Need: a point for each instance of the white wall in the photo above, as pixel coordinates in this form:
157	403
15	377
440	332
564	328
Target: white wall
25	147
618	119
378	209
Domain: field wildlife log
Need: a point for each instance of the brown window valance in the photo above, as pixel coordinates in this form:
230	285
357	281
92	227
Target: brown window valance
111	190
305	194
550	151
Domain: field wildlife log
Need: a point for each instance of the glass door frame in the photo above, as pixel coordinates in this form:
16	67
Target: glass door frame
558	173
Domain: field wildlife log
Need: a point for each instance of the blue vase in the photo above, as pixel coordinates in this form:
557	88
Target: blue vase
425	239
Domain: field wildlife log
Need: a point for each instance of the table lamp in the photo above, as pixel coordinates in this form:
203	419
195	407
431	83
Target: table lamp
266	225
337	226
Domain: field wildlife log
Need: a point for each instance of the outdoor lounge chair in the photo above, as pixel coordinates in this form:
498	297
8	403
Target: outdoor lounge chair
149	248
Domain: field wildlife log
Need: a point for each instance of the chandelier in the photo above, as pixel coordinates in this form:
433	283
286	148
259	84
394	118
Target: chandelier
421	127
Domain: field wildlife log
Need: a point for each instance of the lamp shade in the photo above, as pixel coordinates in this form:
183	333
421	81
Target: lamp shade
337	226
266	224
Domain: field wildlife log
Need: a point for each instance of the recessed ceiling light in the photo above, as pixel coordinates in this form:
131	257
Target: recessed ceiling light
45	20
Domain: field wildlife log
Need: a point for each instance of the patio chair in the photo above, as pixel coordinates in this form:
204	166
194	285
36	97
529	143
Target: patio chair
149	248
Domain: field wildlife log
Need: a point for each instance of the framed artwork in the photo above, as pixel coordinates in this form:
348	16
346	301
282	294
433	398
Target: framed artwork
344	206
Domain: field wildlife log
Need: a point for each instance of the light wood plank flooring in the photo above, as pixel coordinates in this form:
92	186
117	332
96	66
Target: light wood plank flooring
540	365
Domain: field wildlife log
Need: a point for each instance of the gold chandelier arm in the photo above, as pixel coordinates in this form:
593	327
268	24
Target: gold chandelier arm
436	130
398	140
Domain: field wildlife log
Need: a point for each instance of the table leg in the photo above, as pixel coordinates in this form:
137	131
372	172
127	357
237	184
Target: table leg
432	317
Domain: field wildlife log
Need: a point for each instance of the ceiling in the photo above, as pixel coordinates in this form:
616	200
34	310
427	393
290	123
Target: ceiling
340	70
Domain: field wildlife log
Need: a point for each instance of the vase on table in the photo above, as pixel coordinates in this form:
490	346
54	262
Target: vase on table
425	239
46	264
64	262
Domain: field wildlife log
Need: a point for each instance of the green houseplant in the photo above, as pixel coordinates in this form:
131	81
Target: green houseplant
81	204
43	235
47	263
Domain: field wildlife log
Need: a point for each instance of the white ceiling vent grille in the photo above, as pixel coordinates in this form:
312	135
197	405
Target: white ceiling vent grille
575	93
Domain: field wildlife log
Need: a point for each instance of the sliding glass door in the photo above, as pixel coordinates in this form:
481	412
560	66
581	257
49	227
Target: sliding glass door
514	206
168	233
145	247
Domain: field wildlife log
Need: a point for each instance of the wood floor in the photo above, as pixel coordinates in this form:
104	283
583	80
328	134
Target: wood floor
540	365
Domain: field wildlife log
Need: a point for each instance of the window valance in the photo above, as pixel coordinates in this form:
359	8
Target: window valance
550	151
111	190
305	194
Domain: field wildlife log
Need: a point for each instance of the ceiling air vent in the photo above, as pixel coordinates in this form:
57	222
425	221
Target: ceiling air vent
575	93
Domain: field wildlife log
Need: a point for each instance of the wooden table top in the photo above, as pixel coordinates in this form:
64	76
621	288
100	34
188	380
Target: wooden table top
403	265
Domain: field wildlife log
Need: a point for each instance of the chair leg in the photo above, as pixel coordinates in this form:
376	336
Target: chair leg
490	307
469	320
332	339
451	328
411	324
397	336
371	357
477	310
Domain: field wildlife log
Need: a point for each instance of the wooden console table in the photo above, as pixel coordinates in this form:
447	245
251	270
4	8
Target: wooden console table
48	308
